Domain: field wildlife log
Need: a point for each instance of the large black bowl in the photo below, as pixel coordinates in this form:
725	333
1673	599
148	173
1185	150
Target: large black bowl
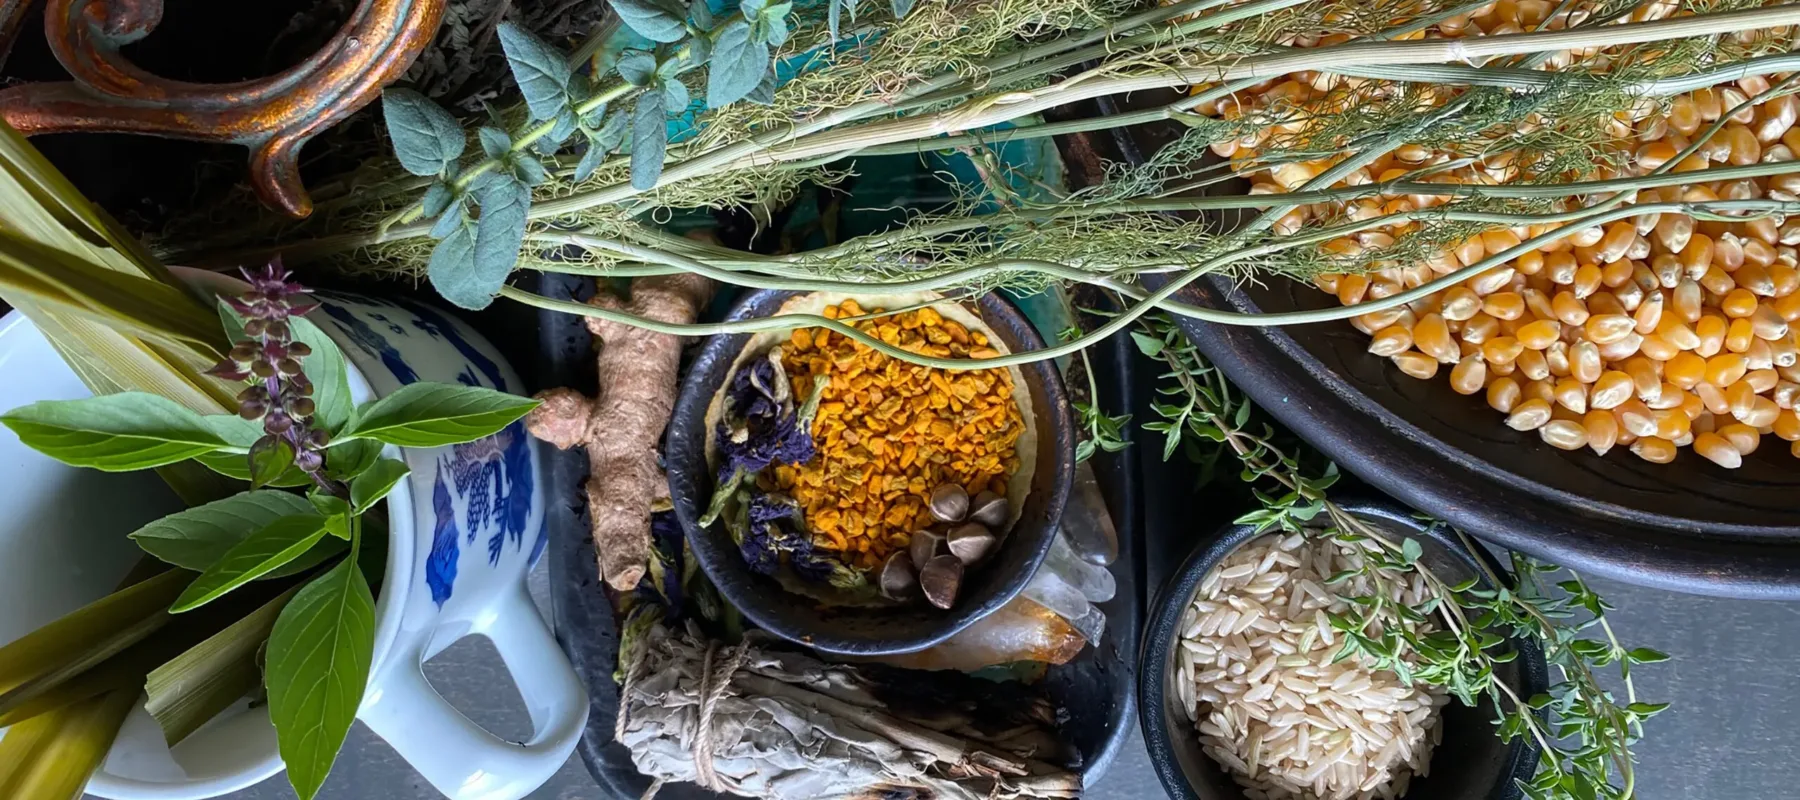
869	631
1688	526
1471	763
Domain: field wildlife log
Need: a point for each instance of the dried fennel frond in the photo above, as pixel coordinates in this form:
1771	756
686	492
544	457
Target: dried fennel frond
785	726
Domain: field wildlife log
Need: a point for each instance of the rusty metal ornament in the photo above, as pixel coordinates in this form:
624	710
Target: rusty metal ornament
272	116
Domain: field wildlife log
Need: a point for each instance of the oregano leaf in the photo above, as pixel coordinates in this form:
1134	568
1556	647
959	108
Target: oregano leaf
594	117
650	20
833	20
426	137
701	14
772	27
675	93
494	142
590	161
637	67
565	125
649	140
438	197
451	269
764	93
902	8
530	171
738	65
448	223
612	134
540	70
473	277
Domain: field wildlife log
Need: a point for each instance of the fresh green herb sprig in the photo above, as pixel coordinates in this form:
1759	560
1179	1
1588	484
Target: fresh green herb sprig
1584	732
1103	432
480	209
296	426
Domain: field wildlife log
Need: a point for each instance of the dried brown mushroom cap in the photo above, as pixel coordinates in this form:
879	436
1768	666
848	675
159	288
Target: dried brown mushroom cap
925	546
897	579
949	503
971	542
940	579
989	509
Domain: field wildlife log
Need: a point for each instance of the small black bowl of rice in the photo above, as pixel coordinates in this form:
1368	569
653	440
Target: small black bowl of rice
1241	697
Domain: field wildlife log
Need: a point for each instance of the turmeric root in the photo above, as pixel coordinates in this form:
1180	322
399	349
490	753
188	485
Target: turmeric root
619	429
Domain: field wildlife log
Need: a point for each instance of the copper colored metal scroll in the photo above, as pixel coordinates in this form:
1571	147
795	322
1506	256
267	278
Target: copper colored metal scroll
272	116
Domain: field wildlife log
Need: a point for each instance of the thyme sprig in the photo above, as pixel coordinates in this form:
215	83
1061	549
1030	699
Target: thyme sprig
1584	730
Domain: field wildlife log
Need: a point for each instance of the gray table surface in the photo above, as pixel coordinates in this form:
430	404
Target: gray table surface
1730	734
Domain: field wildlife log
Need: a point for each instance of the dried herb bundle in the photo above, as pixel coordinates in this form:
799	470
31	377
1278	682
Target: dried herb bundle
761	722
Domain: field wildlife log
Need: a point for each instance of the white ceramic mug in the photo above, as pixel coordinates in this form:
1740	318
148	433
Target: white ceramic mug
465	529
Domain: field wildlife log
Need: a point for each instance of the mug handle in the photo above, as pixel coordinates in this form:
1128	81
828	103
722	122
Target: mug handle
460	758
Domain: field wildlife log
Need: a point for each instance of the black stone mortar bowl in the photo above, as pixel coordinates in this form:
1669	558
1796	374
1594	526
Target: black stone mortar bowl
870	630
1471	763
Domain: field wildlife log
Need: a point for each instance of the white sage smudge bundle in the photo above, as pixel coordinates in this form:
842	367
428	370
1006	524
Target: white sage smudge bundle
760	722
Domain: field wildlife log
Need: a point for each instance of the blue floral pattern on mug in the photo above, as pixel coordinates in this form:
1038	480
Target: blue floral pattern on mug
491	481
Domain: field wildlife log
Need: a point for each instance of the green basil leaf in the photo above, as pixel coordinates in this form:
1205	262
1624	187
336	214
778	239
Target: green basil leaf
371	486
637	67
650	20
437	199
198	537
649	140
329	547
337	513
269	459
541	72
318	668
436	414
426	137
237	465
329	376
275	544
116	432
348	458
230	321
494	142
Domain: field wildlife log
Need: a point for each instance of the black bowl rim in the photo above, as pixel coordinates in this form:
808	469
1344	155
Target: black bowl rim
1165	615
1059	436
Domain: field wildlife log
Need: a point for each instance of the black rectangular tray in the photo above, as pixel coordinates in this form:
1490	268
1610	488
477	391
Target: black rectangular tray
1097	689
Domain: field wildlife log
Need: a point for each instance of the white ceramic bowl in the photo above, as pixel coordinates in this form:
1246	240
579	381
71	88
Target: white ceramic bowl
456	567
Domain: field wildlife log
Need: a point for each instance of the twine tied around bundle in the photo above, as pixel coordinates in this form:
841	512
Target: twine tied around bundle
715	679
